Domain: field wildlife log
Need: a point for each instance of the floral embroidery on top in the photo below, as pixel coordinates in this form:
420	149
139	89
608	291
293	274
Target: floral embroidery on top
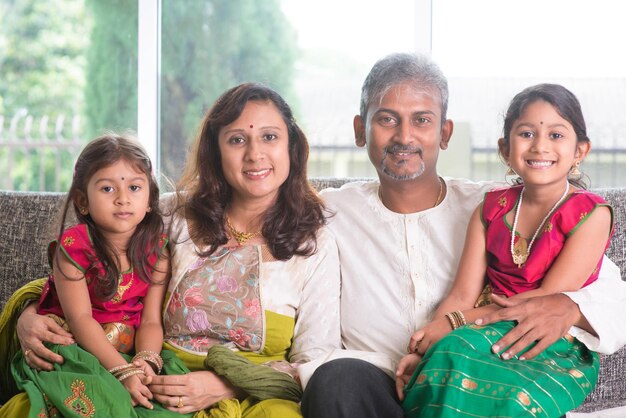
548	227
217	301
68	241
582	215
502	201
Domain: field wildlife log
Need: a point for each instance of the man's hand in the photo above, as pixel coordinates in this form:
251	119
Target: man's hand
405	370
541	319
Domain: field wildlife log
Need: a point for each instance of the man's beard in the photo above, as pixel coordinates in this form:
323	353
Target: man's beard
401	177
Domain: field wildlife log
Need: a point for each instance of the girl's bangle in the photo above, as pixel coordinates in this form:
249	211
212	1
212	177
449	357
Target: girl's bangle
152	358
456	318
129	373
120	368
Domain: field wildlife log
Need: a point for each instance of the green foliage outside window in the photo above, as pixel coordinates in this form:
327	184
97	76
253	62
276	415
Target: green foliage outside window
66	58
208	47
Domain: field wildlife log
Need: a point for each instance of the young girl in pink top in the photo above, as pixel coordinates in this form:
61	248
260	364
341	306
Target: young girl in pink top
108	281
543	236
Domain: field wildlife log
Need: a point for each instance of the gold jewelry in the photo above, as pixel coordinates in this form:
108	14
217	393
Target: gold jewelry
460	317
240	237
574	171
520	252
439	196
120	368
152	358
452	320
83	211
124	371
129	374
510	172
27	352
180	403
456	318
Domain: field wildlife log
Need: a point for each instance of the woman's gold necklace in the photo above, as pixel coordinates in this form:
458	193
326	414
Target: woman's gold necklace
521	252
240	237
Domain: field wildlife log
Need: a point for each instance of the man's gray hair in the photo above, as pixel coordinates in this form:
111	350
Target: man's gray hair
414	69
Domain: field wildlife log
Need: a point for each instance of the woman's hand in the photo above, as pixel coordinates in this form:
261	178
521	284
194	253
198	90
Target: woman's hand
422	339
405	370
191	392
541	319
33	330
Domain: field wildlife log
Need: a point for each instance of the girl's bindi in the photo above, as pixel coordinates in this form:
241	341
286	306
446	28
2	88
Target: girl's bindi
251	126
541	122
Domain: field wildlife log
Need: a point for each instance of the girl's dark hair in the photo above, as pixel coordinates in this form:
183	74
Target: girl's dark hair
100	153
290	226
563	101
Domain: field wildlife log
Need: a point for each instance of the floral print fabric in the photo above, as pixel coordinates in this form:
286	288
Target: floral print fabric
217	301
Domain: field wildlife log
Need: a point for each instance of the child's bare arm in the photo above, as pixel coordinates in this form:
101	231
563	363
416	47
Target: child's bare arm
470	277
150	332
76	304
74	298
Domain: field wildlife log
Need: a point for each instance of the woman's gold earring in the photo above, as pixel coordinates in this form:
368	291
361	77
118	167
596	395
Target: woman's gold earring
574	171
149	209
83	211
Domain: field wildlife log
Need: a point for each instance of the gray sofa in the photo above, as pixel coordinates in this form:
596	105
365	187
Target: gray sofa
27	222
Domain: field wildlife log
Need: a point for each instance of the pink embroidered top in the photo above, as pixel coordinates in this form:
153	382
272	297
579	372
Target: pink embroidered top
125	307
504	275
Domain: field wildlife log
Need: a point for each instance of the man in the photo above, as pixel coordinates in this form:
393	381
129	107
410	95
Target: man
400	239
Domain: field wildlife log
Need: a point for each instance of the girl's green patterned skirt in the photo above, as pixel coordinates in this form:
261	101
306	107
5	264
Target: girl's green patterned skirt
460	376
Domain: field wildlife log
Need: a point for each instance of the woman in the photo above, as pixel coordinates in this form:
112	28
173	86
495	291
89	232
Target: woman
253	269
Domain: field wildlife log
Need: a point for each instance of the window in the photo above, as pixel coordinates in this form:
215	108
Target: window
66	76
491	50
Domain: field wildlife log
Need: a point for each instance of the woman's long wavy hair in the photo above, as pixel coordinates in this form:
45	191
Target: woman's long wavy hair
291	224
100	153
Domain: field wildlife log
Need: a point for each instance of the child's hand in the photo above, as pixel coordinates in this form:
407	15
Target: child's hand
405	370
139	392
145	366
429	335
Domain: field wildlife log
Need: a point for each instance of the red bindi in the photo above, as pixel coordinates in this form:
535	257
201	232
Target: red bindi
251	126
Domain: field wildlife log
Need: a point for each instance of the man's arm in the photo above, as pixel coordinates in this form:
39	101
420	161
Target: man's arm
545	319
602	304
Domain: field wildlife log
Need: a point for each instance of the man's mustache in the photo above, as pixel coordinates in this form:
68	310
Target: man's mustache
394	149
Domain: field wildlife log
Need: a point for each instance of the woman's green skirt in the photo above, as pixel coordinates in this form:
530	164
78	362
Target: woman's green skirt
460	376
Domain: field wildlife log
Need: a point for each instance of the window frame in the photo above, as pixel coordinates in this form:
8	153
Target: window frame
149	68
